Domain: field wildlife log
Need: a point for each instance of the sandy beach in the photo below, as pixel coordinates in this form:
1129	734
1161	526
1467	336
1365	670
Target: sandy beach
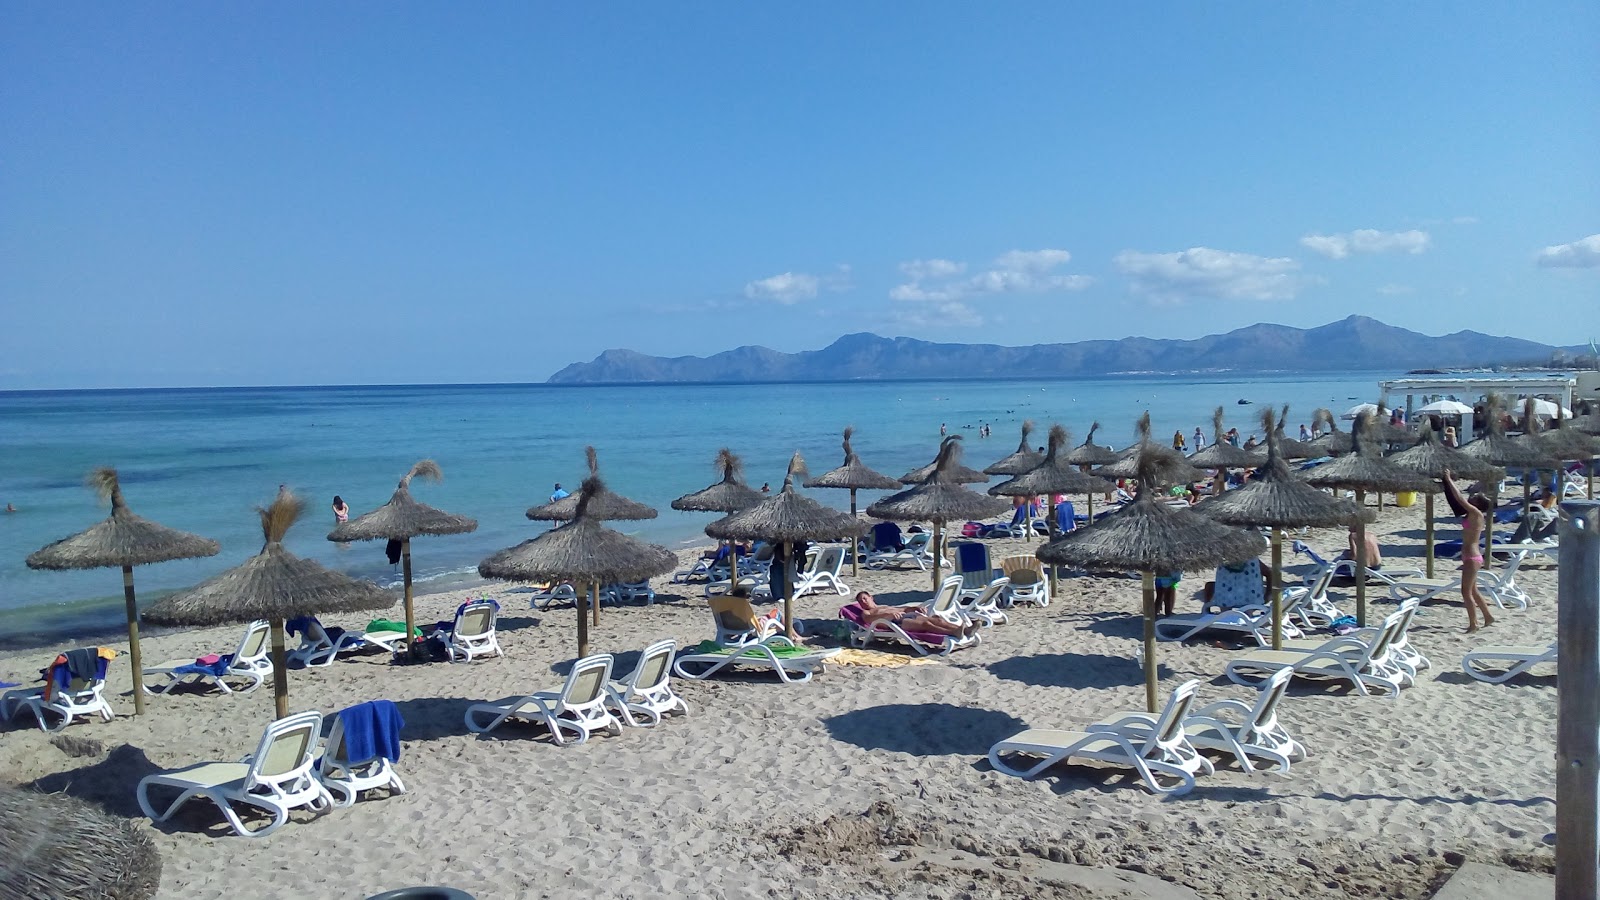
867	781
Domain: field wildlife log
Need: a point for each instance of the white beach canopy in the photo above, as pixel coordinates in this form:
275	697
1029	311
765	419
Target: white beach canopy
1444	408
1350	414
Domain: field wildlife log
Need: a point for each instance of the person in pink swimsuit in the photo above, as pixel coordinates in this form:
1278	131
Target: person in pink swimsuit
1472	511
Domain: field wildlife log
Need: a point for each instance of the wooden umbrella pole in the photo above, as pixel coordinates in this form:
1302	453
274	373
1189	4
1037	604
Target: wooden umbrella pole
411	617
788	591
594	608
1275	587
1428	512
1361	573
1050	526
938	556
134	656
583	621
280	670
855	543
1090	496
1149	641
1218	481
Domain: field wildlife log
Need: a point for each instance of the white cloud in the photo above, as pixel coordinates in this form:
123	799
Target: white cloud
789	288
1366	240
1395	290
1202	271
938	314
1014	272
1583	253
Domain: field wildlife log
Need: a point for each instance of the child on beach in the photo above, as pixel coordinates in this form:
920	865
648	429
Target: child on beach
1167	591
1472	513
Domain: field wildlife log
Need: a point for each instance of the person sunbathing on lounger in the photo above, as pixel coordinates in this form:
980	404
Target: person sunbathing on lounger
911	618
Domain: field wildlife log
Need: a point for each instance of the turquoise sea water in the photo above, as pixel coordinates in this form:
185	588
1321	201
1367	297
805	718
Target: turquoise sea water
202	459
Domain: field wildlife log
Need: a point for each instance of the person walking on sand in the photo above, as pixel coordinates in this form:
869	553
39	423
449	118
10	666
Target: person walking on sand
1472	513
341	510
1199	440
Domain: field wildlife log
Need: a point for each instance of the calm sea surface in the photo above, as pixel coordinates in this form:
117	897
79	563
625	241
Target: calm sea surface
202	459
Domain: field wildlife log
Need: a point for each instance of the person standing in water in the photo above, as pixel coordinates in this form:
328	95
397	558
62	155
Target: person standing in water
1178	442
1472	512
341	510
1199	440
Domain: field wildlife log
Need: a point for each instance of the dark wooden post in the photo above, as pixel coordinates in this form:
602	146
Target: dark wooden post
1578	716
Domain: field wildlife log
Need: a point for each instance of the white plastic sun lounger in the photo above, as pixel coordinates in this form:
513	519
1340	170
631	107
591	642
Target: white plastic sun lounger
346	778
250	660
319	648
823	573
1161	754
1363	663
472	635
579	708
985	607
81	697
944	605
646	695
776	653
1029	583
1499	585
1401	651
1497	665
1257	733
278	777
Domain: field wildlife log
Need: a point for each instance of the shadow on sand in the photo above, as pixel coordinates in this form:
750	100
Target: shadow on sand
924	729
1073	670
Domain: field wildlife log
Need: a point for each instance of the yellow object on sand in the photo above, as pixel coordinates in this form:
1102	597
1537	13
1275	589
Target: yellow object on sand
876	659
1405	498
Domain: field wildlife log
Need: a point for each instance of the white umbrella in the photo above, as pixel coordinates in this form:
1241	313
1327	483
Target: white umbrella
1350	414
1447	408
1547	409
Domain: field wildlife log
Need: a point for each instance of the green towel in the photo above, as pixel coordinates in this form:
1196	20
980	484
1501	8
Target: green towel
781	652
383	625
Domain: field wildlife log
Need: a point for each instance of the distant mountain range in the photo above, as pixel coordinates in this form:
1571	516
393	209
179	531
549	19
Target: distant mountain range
1354	343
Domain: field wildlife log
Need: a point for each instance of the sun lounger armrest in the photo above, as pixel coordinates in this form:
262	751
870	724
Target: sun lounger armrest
1123	721
1211	710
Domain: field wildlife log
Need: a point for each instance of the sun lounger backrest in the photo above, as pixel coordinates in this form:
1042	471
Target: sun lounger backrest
1264	717
475	619
1024	571
831	560
946	601
587	681
733	613
254	643
653	665
991	593
285	748
1169	726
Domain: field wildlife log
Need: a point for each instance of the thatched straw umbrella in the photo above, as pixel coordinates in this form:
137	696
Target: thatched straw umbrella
606	505
1494	448
956	474
940	499
730	494
787	518
274	585
582	551
1566	442
123	540
1288	447
1148	536
1222	455
1170	466
1052	476
1333	442
1432	459
1276	499
55	847
1089	454
1021	461
855	476
1364	469
402	519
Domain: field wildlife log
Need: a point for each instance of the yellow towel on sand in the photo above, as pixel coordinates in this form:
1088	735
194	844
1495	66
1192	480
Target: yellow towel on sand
877	659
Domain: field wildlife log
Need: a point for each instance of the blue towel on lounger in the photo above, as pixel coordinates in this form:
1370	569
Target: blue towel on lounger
215	670
371	730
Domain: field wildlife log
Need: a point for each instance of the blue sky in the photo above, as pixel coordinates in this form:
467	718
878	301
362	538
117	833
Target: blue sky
288	193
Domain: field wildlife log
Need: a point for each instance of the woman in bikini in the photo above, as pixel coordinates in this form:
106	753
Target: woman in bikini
911	618
1472	513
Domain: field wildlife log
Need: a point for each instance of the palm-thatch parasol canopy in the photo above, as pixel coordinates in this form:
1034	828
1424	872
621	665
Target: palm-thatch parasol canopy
1364	469
274	585
606	505
402	519
55	847
1277	499
123	540
1089	453
1333	442
1221	454
1288	447
939	500
1167	465
1021	461
1053	475
1565	442
787	517
853	474
1432	459
728	495
582	551
955	472
1494	448
1149	536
